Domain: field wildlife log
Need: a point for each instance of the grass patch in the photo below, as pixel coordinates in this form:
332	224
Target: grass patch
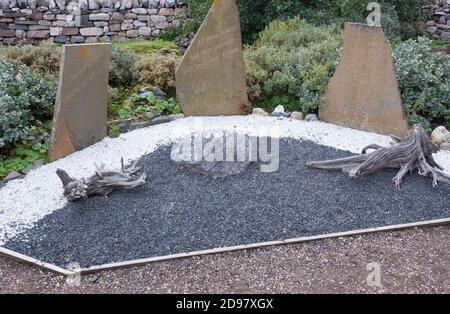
146	47
440	43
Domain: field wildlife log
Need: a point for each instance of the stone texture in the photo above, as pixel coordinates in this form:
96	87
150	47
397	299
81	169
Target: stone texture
37	15
260	112
43	34
7	33
210	79
91	31
296	115
80	112
363	93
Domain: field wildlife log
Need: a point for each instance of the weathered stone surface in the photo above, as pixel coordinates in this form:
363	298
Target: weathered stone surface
260	112
80	112
99	17
38	34
62	39
70	31
296	115
210	79
7	33
91	31
145	31
364	93
77	39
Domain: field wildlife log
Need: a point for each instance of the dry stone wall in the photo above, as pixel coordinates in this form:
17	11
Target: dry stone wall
80	21
439	26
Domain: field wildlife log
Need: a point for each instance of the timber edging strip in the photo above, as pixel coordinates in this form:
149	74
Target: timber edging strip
140	262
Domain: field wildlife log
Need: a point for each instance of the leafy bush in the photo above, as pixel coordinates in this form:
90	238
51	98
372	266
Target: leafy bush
25	101
424	80
43	59
291	64
21	156
157	70
399	16
121	69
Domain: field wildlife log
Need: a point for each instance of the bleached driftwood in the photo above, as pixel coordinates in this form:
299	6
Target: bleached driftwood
102	183
414	152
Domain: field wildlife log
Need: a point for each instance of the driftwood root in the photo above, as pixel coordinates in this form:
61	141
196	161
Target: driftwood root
102	183
413	153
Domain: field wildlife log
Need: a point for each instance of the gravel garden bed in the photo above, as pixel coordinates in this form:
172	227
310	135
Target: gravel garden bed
179	211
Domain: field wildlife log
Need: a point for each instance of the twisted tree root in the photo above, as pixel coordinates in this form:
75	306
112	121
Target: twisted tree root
102	183
414	152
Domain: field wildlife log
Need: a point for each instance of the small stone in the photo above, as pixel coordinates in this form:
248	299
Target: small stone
159	93
122	128
259	112
145	31
33	166
13	176
99	17
38	34
311	117
278	112
139	125
77	39
160	120
296	115
91	31
174	117
133	33
93	278
140	11
445	146
62	39
439	135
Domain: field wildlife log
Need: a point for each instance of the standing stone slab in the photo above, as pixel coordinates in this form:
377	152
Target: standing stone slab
210	79
80	113
363	93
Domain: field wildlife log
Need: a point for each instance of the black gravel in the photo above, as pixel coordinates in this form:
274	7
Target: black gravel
180	211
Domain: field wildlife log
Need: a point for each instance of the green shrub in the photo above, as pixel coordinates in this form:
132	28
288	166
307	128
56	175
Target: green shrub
398	16
291	64
43	59
157	70
21	156
26	100
424	80
121	69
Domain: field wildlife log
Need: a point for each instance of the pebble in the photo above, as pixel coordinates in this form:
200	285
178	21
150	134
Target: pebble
297	115
311	117
278	112
259	112
13	176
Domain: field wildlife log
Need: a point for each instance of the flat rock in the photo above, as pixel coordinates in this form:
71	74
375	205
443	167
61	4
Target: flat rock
296	115
80	116
211	76
13	176
363	93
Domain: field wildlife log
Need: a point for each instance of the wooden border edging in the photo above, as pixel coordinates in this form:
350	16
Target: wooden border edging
139	262
24	258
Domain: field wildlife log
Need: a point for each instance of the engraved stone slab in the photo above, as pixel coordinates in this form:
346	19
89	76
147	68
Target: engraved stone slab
364	93
210	79
80	117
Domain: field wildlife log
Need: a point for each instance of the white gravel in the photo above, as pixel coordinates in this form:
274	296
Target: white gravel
24	202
